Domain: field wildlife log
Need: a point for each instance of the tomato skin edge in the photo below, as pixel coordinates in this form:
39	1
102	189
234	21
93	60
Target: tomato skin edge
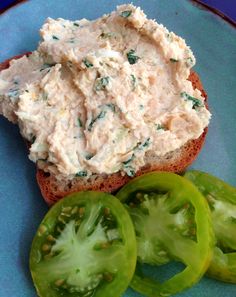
223	265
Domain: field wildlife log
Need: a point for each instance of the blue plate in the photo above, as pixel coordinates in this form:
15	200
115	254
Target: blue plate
213	41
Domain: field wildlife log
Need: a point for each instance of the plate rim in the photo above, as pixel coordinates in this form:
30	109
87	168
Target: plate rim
196	3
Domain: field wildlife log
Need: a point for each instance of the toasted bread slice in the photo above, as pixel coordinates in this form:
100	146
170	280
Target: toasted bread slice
176	161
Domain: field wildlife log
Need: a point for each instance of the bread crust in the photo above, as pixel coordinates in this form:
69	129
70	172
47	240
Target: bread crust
177	161
6	64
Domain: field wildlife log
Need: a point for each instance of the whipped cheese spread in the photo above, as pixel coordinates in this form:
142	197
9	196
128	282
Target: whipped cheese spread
97	96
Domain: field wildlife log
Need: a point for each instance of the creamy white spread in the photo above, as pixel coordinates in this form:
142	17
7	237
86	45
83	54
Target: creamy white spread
97	96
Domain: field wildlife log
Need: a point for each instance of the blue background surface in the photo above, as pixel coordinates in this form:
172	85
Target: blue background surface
22	208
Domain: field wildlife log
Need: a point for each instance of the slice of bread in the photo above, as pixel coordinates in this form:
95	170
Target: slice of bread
176	161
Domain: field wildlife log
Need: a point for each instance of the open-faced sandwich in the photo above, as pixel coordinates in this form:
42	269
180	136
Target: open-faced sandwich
102	101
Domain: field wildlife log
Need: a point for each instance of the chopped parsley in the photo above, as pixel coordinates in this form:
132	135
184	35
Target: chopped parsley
88	156
145	144
160	127
13	92
174	60
82	173
87	63
79	122
55	37
133	81
141	106
129	160
32	138
75	24
46	66
132	57
100	116
130	171
111	106
101	83
126	13
196	102
106	35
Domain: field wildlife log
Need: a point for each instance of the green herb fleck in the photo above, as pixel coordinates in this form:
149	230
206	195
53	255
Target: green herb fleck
88	156
79	122
87	63
141	106
111	106
27	91
100	116
75	24
133	81
33	138
82	173
106	35
13	92
129	160
174	60
160	127
145	144
126	13
101	83
196	102
130	171
46	66
132	57
55	37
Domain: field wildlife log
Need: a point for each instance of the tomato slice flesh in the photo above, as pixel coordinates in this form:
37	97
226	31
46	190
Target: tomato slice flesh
85	246
161	222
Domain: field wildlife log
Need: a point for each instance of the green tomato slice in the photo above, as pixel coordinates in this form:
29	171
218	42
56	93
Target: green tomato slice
172	223
221	198
85	246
